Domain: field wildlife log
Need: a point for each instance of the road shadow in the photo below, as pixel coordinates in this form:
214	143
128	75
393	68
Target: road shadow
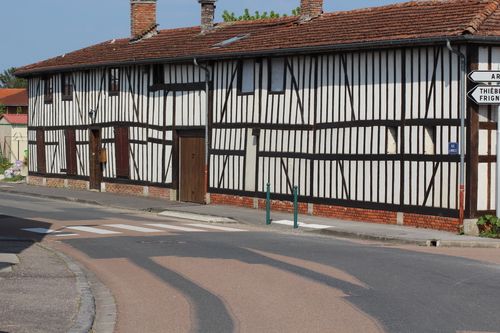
15	237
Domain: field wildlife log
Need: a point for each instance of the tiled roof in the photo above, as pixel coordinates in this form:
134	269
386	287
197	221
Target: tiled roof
8	92
16	118
15	97
405	21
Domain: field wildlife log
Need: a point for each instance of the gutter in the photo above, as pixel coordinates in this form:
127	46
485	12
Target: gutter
302	50
463	101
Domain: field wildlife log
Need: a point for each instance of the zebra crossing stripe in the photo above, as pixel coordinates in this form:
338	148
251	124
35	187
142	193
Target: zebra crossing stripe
133	228
214	227
41	230
94	230
174	227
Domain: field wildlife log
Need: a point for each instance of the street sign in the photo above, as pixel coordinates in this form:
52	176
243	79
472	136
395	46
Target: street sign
453	148
484	94
484	76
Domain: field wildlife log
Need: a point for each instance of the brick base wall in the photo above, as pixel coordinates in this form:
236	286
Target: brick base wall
343	213
155	192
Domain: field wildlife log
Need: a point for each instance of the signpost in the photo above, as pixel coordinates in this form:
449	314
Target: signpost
484	94
484	76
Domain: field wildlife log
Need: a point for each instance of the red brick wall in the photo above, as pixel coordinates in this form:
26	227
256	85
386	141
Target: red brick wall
158	192
33	180
431	222
78	184
142	16
125	189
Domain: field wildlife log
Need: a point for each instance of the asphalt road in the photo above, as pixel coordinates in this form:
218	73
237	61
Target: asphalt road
250	279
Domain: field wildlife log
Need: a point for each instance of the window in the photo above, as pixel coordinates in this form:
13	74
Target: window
48	89
114	81
158	74
277	75
392	140
246	80
67	86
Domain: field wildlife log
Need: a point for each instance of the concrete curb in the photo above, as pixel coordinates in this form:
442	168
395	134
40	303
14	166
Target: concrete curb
86	311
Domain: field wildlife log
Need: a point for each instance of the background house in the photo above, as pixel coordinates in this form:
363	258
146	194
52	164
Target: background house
15	100
13	136
357	108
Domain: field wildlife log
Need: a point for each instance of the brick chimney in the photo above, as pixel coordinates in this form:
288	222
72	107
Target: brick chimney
142	17
310	9
207	15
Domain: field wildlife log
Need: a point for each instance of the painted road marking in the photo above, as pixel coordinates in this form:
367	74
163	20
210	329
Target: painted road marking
41	230
302	224
133	228
214	227
174	227
94	230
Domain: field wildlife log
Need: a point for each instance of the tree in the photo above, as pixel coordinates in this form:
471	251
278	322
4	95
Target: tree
229	17
3	109
8	80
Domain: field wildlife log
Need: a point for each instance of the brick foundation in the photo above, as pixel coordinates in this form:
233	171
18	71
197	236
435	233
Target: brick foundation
343	213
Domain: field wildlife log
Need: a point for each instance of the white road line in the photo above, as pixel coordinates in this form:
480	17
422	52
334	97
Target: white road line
304	225
174	227
214	227
41	230
94	230
132	227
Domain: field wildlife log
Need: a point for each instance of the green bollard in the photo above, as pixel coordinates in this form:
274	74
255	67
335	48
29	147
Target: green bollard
295	206
268	204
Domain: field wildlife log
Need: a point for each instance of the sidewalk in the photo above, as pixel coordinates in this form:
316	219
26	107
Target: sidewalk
215	213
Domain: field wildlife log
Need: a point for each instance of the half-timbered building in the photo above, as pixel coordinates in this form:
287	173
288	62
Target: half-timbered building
357	109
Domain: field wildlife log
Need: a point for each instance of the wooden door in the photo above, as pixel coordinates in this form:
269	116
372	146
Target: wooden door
192	169
95	164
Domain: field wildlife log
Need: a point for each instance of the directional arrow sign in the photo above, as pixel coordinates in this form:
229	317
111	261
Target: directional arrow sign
485	94
484	76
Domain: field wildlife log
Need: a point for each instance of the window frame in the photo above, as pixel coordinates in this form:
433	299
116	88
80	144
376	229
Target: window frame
158	74
114	81
244	72
48	89
67	87
271	71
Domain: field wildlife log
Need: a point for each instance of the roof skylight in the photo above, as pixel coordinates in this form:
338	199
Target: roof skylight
229	41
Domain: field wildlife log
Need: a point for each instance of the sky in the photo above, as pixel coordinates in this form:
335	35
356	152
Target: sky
36	30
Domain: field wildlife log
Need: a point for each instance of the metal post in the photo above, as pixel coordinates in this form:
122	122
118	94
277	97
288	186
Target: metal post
268	204
295	208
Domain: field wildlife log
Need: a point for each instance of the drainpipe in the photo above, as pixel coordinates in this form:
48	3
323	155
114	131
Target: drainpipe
462	128
207	144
